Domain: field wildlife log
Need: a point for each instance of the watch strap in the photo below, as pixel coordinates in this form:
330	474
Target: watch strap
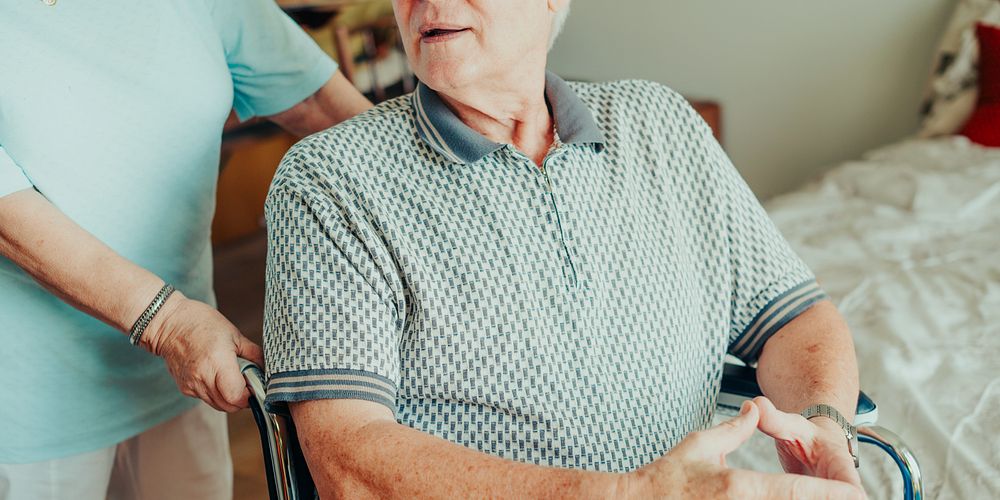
850	432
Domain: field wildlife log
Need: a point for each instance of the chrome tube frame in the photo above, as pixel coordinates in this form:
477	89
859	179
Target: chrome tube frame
275	430
889	442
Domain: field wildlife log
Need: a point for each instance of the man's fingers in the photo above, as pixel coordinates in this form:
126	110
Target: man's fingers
246	349
781	425
793	486
842	469
736	431
714	444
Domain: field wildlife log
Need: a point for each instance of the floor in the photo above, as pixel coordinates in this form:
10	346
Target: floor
239	287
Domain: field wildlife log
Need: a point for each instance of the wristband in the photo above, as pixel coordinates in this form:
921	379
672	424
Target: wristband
135	334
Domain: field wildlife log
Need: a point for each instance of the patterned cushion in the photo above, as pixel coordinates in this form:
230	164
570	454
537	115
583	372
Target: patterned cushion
951	95
984	125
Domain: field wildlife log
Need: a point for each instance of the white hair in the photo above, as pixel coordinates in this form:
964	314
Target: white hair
557	24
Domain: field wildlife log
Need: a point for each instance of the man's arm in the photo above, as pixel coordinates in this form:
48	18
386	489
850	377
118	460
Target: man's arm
334	102
199	344
809	361
356	449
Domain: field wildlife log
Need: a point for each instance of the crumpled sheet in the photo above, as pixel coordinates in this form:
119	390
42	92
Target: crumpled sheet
907	243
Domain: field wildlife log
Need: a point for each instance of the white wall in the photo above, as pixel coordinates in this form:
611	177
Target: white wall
803	84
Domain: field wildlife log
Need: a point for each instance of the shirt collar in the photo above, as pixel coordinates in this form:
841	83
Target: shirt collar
441	129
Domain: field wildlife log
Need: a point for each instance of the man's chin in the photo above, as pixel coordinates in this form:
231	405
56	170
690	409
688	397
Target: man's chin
450	75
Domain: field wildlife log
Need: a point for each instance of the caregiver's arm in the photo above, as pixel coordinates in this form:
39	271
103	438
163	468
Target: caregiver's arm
810	361
334	102
199	345
356	449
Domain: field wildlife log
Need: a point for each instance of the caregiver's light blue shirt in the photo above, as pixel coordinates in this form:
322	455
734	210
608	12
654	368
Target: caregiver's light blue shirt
113	110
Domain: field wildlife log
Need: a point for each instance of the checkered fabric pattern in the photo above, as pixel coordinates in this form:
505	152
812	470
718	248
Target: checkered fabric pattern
576	315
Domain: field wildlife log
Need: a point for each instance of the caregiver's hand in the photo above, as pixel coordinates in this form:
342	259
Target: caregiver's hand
199	344
200	347
814	447
696	468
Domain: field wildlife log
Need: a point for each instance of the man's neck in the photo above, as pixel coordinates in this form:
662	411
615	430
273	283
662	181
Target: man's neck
515	115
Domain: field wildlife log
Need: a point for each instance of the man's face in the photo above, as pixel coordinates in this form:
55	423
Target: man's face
454	44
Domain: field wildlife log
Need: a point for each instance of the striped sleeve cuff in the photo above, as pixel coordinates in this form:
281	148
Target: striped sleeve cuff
776	314
305	385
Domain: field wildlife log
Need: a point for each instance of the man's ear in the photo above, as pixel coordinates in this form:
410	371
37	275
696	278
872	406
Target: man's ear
557	5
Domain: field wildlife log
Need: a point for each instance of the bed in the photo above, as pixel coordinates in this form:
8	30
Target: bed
907	243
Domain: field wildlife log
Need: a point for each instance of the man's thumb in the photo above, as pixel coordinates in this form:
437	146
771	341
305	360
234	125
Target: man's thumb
729	435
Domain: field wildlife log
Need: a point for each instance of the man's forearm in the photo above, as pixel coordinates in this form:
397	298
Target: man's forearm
384	459
71	263
811	360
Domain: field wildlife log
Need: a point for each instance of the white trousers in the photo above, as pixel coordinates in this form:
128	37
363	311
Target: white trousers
186	458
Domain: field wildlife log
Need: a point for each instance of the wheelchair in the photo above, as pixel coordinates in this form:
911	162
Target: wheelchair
288	475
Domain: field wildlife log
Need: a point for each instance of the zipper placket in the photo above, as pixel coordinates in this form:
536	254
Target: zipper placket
554	153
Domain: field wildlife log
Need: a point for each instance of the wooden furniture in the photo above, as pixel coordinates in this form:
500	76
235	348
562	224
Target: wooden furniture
372	51
319	13
301	8
711	112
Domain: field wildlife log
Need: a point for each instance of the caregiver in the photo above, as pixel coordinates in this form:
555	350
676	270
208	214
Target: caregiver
111	115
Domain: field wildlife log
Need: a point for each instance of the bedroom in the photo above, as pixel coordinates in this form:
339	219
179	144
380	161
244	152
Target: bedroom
869	131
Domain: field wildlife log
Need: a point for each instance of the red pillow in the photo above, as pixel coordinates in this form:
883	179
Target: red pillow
984	125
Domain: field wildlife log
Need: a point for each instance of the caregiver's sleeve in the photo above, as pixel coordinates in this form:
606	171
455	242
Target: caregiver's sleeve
12	178
274	64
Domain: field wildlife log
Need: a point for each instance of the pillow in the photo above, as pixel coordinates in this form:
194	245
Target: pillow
984	125
951	96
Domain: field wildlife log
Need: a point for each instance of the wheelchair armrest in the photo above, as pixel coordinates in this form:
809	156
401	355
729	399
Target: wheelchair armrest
288	475
739	383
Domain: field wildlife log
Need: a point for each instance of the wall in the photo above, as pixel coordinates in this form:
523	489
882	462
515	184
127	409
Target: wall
802	84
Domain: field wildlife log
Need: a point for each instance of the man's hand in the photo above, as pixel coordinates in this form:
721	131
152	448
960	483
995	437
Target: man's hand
200	347
696	468
815	447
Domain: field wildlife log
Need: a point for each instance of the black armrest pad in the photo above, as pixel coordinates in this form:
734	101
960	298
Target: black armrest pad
742	381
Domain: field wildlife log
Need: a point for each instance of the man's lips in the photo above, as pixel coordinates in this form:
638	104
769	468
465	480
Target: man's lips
432	33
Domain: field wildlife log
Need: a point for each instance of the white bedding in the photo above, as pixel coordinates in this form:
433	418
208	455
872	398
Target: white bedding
907	243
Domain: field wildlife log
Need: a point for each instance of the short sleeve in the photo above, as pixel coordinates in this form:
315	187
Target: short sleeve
274	64
12	178
330	328
770	284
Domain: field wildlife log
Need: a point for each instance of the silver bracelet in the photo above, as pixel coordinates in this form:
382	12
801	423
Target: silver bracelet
135	334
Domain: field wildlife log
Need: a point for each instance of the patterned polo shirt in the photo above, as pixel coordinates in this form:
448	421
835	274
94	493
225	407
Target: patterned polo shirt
574	315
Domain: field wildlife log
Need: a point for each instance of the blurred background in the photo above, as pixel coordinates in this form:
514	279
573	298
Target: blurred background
803	85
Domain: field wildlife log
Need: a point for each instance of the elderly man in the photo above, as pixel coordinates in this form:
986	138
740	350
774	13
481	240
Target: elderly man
510	285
